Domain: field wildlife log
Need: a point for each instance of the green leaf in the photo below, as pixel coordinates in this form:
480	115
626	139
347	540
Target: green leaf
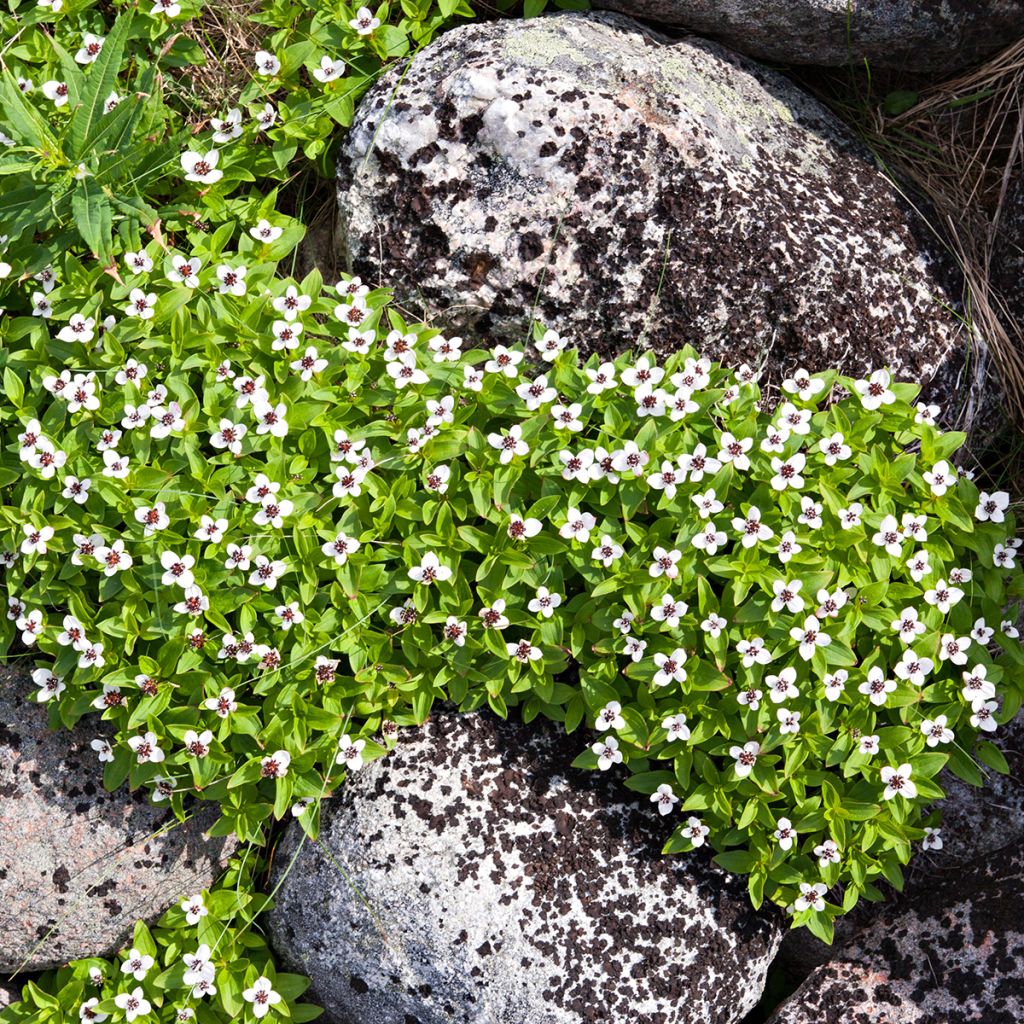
93	216
991	755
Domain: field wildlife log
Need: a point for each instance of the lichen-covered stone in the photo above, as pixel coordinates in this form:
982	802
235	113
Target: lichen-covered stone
640	192
80	865
953	955
473	877
907	35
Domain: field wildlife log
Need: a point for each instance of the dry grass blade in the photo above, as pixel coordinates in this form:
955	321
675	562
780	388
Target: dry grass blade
961	144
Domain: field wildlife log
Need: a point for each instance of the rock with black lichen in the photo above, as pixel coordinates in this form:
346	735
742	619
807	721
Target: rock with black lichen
631	191
954	954
931	36
473	876
81	865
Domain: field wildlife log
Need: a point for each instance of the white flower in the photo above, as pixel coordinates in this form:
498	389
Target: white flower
783	686
90	655
976	686
803	385
829	605
810	513
827	853
607	552
199	966
197	744
735	450
36	539
266	63
697	463
669	611
745	757
275	765
710	539
943	596
676	727
834	449
262	995
797	421
56	92
146	749
601	379
133	372
194	908
913	668
750	698
787	472
140	304
270	418
229	435
350	753
79	329
493	617
610	717
1004	556
550	345
184	271
545	602
104	751
667	479
364	23
992	507
292	303
579	466
868	745
789	721
784	833
430	570
810	637
713	625
709	505
201	167
87	1012
787	595
266	232
567	417
876	687
908	625
329	70
577	525
137	964
524	651
523	529
775	440
266	572
635	648
932	839
630	459
812	897
670	667
663	563
168	8
695	831
983	715
133	1003
664	798
1009	629
113	558
951	648
889	536
446	350
935	731
349	482
504	361
510	444
273	512
50	685
166	420
607	752
537	393
982	632
897	782
223	704
751	529
753	651
941	478
624	623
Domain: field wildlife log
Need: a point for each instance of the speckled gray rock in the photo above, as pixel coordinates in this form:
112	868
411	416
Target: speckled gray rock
909	35
80	865
481	880
10	992
645	193
954	955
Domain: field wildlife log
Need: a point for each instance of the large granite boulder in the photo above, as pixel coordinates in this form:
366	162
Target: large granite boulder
472	876
906	35
81	865
953	955
631	191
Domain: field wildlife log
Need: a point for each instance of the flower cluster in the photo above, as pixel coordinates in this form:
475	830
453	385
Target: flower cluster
254	566
200	962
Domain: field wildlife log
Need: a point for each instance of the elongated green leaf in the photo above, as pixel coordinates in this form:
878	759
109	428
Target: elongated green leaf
86	122
25	122
93	216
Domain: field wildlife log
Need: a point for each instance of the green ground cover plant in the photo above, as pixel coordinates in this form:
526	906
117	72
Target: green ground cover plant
253	525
